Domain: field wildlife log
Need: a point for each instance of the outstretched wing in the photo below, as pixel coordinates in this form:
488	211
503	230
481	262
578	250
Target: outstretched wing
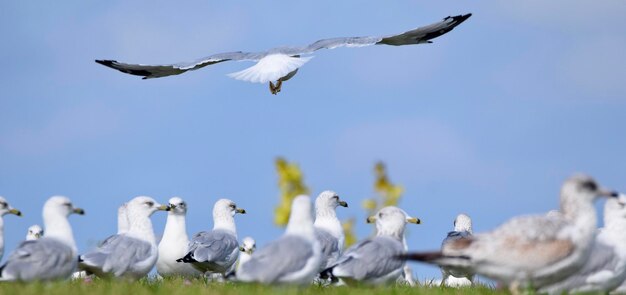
281	61
157	71
416	36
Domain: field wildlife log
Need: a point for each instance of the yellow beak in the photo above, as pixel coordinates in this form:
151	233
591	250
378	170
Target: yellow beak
413	220
15	211
240	211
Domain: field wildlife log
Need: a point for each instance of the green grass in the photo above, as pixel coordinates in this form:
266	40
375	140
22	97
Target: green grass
179	286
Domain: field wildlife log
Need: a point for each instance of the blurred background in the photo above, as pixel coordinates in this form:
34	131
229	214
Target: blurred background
487	120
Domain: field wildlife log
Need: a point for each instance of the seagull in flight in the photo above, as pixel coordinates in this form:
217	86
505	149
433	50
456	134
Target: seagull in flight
280	64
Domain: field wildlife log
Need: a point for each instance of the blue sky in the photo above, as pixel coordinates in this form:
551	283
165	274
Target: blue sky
488	120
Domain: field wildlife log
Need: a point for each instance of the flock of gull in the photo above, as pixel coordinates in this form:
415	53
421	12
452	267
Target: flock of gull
560	251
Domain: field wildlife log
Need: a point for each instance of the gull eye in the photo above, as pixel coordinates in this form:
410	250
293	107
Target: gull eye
150	203
336	197
182	204
68	204
3	204
589	185
380	215
233	206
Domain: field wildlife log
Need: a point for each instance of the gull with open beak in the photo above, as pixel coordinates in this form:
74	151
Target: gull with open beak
217	250
52	257
130	255
371	261
5	209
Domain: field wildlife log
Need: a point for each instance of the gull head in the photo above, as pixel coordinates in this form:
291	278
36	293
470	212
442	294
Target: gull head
177	206
615	209
225	208
248	245
144	206
59	205
5	208
582	188
328	200
34	232
463	222
391	221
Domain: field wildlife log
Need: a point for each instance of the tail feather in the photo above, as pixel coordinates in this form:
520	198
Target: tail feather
436	257
187	259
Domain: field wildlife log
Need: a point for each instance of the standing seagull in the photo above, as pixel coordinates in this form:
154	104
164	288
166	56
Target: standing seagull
372	261
605	269
35	232
247	248
292	259
282	63
129	255
535	250
5	209
216	251
462	231
174	243
328	230
52	257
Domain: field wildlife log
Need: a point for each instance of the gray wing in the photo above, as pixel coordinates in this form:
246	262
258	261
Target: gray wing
416	36
329	247
43	259
157	71
370	259
455	235
116	255
600	268
215	247
280	258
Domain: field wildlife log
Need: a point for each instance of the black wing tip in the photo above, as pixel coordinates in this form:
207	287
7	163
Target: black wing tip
459	18
106	62
186	259
434	257
421	256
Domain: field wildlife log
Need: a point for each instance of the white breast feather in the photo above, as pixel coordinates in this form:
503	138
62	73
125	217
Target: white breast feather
270	68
